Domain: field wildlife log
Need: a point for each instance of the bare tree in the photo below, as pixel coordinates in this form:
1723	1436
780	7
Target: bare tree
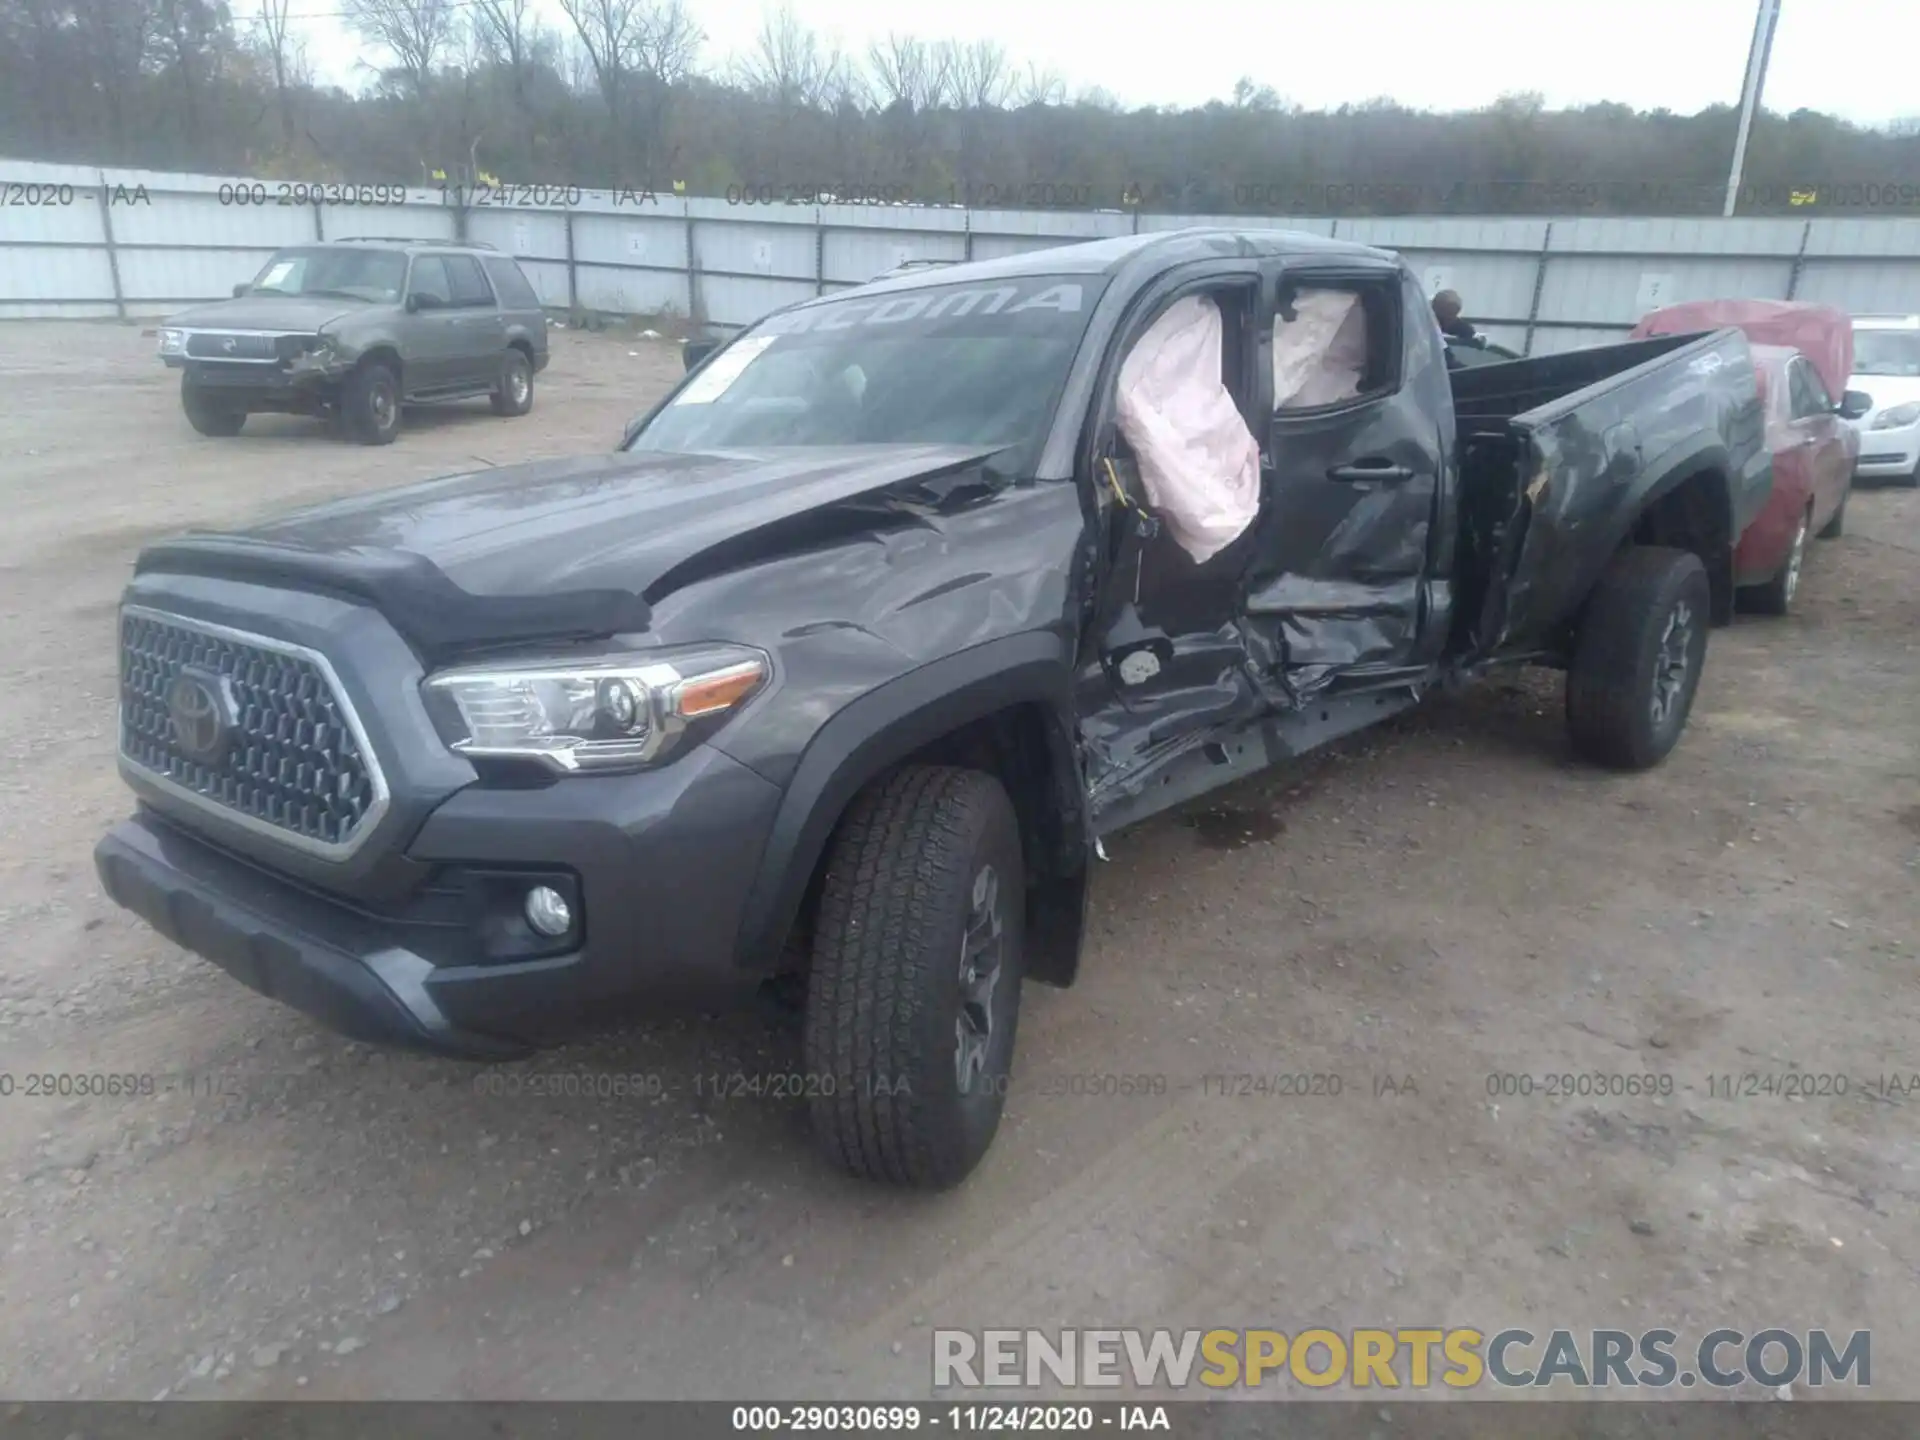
285	57
908	72
788	65
1041	86
154	83
983	76
639	50
609	32
1250	95
668	42
508	35
667	50
414	32
115	38
187	41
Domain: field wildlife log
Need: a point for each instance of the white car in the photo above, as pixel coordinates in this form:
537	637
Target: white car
1886	365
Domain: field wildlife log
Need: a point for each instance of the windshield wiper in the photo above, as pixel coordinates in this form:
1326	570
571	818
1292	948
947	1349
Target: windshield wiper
336	294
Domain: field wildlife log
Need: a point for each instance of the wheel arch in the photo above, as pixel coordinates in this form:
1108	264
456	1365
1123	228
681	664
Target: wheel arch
1003	707
386	353
1688	505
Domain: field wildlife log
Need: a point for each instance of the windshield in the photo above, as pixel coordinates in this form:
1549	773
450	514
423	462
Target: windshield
372	275
1886	352
978	364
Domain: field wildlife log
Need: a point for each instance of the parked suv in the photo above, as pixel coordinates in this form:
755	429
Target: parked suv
841	671
352	329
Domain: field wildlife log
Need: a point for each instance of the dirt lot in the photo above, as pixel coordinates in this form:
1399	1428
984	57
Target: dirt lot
1450	897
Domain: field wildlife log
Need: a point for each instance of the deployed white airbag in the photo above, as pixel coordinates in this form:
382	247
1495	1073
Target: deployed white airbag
1198	460
1319	355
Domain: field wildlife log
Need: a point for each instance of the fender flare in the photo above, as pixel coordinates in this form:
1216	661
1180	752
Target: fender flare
873	733
1707	454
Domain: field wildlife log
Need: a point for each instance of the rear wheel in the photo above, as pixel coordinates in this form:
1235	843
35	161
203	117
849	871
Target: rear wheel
1638	657
1836	525
1776	597
370	404
914	991
207	414
514	394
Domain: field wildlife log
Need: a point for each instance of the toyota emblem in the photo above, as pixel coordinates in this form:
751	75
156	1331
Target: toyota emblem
198	716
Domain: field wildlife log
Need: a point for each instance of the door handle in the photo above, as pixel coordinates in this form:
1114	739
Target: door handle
1371	472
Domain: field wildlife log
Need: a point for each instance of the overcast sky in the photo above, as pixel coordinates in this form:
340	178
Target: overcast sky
1854	58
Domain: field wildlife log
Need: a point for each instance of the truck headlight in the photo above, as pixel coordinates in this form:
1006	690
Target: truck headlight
172	341
607	712
318	353
1894	416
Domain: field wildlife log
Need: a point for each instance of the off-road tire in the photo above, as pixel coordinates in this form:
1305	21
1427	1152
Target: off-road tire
207	415
1617	657
370	404
884	1004
514	394
1776	597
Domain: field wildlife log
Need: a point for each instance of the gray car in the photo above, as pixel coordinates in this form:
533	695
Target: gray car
351	329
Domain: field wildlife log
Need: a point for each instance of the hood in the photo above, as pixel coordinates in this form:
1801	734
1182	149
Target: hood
1820	332
1887	391
583	545
301	314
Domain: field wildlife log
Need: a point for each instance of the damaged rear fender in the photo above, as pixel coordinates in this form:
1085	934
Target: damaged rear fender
1004	706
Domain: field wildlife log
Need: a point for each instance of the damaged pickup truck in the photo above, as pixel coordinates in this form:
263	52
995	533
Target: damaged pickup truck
835	675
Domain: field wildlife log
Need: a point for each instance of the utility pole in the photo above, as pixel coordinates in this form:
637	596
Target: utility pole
1756	79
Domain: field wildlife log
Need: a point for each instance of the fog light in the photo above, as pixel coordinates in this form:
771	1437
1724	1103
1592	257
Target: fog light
548	911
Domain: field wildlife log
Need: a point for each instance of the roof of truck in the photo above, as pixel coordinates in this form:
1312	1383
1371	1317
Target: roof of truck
1150	252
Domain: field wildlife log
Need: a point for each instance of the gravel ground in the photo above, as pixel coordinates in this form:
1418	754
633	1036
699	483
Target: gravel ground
1448	897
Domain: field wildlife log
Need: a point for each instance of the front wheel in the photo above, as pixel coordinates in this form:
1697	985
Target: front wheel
208	415
1638	656
370	404
914	991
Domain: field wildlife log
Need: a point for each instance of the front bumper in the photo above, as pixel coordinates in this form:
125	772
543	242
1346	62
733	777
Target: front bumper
662	862
263	386
1886	454
287	944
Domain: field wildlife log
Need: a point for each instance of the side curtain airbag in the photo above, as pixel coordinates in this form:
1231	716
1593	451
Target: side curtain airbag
1198	460
1320	354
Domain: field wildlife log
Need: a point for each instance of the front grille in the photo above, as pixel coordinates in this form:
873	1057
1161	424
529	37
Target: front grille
278	751
1882	459
203	346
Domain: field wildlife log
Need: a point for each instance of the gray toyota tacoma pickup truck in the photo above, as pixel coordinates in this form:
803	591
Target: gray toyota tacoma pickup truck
836	674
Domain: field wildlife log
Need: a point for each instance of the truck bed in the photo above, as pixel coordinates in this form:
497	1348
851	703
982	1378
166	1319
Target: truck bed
1559	453
1489	394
